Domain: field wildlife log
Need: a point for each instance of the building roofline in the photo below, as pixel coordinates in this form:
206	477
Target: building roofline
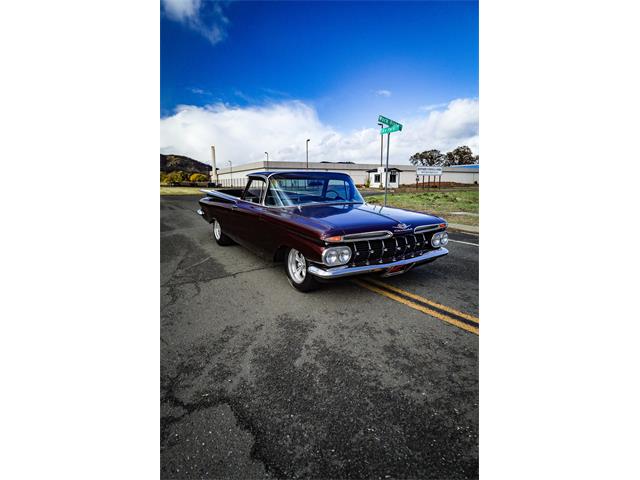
273	167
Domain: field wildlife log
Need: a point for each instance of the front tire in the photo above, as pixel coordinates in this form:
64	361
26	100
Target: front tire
296	267
220	237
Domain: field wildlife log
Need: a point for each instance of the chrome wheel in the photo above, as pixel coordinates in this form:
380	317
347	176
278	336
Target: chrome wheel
217	231
297	266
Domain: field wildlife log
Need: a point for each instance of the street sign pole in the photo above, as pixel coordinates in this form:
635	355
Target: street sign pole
391	126
386	171
381	125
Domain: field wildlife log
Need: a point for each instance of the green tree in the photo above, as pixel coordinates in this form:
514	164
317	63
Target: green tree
461	156
429	158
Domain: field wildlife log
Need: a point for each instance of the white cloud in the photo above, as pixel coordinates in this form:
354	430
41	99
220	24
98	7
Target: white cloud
428	108
383	93
243	134
206	18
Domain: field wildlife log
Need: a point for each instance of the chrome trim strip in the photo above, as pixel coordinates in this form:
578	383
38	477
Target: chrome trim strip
365	236
215	193
429	228
313	203
345	271
377	235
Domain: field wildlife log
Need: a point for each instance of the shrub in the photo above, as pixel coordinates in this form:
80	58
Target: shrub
163	177
198	177
176	177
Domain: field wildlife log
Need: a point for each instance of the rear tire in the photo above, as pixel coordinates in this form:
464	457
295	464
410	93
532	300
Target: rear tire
295	265
220	237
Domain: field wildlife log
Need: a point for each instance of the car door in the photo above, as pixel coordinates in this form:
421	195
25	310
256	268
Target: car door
247	214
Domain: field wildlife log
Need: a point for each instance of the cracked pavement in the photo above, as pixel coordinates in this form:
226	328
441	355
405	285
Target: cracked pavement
260	381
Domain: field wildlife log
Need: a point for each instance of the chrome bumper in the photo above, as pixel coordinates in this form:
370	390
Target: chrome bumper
200	212
345	271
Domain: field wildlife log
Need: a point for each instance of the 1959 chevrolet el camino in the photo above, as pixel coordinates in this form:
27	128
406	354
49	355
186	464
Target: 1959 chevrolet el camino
319	225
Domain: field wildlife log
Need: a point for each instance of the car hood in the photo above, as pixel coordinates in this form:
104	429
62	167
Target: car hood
346	219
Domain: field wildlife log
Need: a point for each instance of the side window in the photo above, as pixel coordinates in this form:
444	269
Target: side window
337	190
255	189
376	178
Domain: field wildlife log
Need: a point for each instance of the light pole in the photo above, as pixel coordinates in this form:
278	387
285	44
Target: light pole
308	140
215	170
267	154
381	143
231	171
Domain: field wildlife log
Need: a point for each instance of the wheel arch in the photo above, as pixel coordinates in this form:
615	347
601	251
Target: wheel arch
278	255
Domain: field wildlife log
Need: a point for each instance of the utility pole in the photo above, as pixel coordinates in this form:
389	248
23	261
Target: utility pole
267	154
386	170
308	139
230	171
215	170
381	142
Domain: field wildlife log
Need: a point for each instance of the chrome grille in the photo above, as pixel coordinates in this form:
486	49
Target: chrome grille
398	247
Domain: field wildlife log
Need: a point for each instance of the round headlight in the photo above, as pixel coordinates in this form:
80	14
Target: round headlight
336	256
444	239
435	240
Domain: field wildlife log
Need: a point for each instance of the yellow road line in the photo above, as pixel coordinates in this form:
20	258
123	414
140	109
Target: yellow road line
420	308
425	300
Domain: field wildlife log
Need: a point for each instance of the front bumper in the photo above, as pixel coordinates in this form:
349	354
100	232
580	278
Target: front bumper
346	271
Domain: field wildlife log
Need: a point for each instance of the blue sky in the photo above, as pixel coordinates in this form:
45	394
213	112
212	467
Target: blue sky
346	62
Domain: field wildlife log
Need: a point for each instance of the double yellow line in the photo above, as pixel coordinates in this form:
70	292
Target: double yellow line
442	312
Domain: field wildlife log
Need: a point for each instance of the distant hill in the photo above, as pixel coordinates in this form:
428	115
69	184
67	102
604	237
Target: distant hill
170	163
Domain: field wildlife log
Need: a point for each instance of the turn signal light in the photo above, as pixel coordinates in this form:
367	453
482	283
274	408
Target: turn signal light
335	238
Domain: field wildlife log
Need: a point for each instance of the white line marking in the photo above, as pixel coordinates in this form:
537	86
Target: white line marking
466	243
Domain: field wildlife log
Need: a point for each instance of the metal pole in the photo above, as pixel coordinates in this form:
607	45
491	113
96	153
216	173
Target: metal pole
381	143
386	171
267	154
215	170
308	139
231	171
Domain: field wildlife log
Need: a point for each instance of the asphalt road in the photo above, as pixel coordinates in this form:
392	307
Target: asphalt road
355	380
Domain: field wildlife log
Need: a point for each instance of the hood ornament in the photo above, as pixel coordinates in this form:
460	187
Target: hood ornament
401	226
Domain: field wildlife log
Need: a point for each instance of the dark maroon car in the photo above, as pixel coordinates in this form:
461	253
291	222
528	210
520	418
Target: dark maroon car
319	225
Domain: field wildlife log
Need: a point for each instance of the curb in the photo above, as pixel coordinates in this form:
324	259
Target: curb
457	227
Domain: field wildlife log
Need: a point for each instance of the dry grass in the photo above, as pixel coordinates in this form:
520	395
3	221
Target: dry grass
165	190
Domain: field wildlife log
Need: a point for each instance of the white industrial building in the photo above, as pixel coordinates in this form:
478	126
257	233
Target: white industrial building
377	178
359	172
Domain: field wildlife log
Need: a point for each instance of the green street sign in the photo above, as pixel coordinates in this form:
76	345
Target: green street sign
394	128
388	121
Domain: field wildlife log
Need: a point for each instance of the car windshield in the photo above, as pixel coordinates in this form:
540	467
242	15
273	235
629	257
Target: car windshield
305	189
